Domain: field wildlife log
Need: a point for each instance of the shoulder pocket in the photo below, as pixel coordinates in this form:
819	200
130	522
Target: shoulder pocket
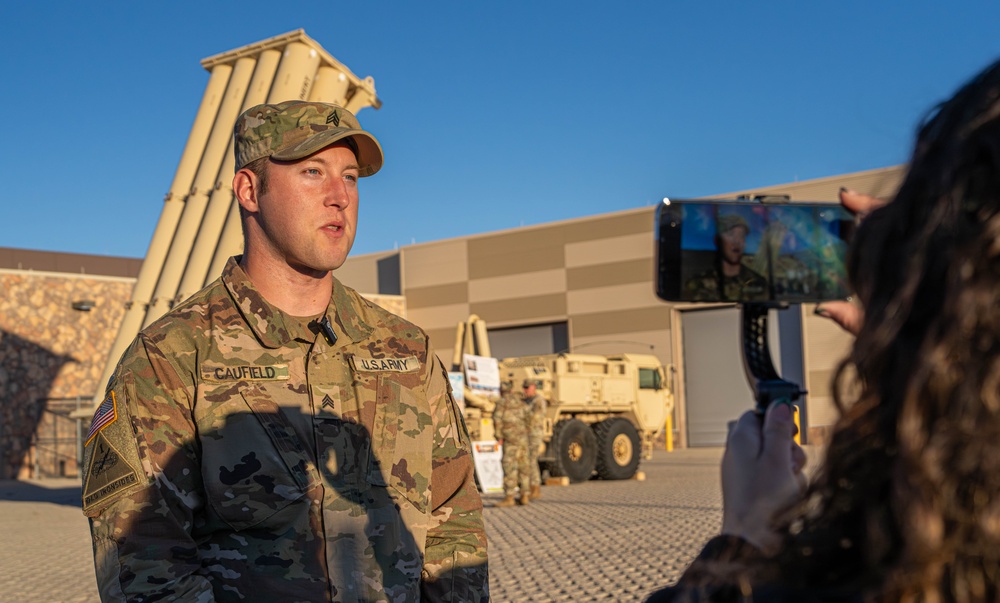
253	462
403	439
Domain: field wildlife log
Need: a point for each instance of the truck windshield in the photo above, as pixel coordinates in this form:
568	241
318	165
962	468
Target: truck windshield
649	378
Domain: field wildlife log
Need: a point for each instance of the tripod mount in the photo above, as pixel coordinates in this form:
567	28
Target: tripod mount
764	380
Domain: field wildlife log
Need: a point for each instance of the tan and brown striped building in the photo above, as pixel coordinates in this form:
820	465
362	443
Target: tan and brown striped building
586	285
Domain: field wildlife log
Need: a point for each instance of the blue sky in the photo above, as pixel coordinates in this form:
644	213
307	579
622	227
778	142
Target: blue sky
496	114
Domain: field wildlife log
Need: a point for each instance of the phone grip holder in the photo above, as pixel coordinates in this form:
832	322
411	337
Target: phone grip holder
764	380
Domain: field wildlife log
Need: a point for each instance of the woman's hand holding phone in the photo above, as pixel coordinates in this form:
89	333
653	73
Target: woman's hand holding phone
761	474
845	313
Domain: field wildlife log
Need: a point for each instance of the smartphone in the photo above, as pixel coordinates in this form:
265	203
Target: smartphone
751	250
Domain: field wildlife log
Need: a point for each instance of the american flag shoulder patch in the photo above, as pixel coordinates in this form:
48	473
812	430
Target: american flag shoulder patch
105	415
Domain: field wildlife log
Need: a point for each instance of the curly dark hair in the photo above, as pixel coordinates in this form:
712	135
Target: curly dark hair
906	505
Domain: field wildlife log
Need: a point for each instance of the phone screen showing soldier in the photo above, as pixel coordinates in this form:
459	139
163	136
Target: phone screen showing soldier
748	251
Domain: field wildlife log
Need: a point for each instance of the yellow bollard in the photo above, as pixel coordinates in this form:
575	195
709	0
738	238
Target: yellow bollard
795	417
669	436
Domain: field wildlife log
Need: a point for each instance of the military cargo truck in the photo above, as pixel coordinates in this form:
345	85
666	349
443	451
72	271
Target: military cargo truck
603	411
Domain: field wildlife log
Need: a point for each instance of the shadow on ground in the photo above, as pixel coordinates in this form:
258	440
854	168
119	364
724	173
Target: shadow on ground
56	491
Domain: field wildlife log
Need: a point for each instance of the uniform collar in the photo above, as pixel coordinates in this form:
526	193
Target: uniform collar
350	318
275	328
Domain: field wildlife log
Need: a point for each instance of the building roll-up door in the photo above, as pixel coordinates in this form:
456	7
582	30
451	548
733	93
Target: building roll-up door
529	340
715	384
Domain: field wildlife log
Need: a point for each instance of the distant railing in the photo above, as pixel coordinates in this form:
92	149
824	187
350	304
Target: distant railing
57	445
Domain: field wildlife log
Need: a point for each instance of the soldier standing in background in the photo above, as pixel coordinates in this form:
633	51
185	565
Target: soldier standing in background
276	437
511	422
536	431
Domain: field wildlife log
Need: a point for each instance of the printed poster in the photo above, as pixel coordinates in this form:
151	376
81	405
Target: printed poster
487	456
458	389
482	374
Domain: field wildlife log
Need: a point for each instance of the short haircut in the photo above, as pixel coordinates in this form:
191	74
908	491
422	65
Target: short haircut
259	169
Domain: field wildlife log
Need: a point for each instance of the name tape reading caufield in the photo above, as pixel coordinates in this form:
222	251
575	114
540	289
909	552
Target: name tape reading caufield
244	372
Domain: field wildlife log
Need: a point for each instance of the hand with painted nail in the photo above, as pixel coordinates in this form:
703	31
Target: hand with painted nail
848	314
859	204
761	474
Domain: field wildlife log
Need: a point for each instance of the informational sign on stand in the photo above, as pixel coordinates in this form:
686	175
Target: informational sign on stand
458	388
482	374
487	456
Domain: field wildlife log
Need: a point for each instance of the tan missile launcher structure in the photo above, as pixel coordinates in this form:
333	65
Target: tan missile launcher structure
199	226
603	413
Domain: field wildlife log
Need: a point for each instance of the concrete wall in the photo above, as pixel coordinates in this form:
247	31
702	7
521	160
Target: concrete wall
50	355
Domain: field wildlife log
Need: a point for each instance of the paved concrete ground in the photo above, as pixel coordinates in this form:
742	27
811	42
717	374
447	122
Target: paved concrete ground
46	554
596	541
606	541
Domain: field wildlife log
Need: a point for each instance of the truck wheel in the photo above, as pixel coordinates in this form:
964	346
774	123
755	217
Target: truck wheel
617	448
575	449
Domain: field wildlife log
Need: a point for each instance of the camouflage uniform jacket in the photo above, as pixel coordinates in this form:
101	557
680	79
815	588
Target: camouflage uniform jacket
511	421
238	456
536	422
747	285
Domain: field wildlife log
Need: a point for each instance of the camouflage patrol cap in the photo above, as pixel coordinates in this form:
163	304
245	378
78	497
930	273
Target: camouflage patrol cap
530	382
730	221
292	130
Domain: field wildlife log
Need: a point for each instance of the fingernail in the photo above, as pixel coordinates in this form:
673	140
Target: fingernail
783	409
821	311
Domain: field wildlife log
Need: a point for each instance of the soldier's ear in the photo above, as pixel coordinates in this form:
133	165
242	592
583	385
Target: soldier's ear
245	188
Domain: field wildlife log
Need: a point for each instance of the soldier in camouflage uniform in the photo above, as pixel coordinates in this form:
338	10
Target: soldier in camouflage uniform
728	279
536	431
511	419
277	437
